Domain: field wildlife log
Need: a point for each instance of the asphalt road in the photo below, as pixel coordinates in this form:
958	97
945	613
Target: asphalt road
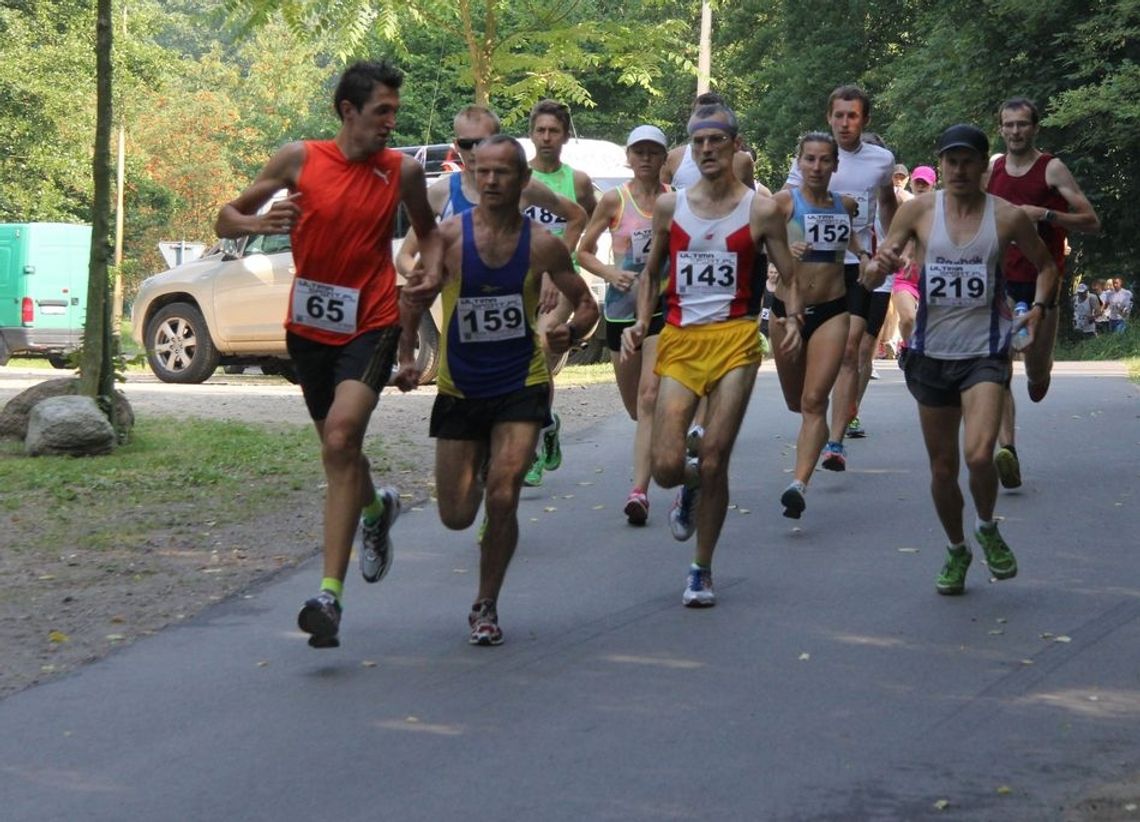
830	682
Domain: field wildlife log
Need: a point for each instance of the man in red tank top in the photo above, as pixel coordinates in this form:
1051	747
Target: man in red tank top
345	320
1045	190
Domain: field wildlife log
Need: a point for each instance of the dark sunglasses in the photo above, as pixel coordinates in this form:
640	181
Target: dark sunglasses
468	143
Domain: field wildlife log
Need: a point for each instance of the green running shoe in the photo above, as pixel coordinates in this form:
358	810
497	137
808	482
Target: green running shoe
551	446
1008	468
952	579
533	477
999	558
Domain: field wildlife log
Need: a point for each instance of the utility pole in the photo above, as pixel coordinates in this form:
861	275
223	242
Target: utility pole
704	53
117	299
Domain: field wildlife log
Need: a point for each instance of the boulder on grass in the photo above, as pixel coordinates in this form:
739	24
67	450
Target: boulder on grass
14	416
74	426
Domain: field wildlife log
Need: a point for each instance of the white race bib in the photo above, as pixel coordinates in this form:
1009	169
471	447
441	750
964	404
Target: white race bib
328	307
827	232
706	272
547	219
956	284
639	242
487	319
864	217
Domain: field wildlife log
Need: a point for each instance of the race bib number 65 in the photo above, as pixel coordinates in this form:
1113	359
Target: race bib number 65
328	307
706	272
956	284
487	319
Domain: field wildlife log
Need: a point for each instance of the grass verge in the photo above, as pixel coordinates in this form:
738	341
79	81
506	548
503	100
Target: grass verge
172	476
1124	347
602	372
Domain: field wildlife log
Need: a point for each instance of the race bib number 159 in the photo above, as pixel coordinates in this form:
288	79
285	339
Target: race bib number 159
487	319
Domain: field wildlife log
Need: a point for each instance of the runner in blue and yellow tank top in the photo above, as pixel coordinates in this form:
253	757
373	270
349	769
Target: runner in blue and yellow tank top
627	211
493	382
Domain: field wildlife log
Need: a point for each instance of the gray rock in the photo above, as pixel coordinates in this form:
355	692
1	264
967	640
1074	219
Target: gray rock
68	425
14	416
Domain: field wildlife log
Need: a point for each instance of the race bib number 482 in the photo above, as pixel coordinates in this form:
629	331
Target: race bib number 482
706	272
487	319
327	307
956	284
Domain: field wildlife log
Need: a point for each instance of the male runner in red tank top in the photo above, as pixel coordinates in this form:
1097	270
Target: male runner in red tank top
1045	190
344	318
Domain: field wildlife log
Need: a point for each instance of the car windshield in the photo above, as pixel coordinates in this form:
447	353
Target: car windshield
268	244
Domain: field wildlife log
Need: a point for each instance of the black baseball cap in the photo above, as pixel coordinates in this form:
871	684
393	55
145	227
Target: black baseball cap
964	135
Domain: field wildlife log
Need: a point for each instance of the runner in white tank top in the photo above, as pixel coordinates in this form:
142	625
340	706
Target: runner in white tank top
958	362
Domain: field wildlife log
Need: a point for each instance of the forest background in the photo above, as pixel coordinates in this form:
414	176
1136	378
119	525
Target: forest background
206	90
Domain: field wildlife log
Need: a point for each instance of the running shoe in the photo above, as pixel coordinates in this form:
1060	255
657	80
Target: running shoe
693	441
952	579
1038	390
533	477
376	553
552	446
855	429
793	501
834	456
320	619
1008	467
999	558
699	588
484	622
683	516
637	507
874	372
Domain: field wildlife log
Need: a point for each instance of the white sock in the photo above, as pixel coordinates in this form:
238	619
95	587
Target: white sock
955	549
984	525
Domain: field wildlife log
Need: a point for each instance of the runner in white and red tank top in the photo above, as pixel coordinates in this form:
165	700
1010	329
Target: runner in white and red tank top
714	232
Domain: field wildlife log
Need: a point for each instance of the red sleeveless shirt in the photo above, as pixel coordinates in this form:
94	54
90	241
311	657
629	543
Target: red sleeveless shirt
1030	189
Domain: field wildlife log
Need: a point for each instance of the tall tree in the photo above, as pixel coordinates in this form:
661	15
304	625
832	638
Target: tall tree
97	375
516	50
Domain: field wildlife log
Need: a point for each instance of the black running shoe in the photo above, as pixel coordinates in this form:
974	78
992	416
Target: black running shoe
320	619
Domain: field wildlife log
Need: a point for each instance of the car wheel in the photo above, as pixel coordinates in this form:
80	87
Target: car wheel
178	345
427	352
280	368
59	360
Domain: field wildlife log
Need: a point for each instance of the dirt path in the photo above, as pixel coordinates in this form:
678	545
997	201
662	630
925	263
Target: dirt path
76	607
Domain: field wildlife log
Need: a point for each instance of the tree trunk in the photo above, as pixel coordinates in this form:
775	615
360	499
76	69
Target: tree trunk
96	372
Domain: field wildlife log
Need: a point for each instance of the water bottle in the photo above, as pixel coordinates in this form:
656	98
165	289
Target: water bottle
1021	336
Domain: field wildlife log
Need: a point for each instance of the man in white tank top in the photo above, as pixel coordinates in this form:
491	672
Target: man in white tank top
681	170
958	361
715	234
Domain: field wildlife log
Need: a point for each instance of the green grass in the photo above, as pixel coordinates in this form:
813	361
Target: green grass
1124	347
175	475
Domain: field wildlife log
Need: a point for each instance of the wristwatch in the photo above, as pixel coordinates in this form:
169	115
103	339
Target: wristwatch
575	334
1050	215
864	253
1045	307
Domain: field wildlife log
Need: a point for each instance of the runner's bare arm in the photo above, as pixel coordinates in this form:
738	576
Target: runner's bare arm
888	205
550	254
650	288
672	163
744	168
769	223
600	222
413	194
584	191
539	194
1081	215
406	256
888	257
239	216
1014	225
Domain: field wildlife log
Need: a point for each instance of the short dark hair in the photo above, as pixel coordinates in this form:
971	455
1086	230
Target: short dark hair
555	109
474	112
506	139
850	93
704	112
360	78
818	137
1019	102
709	98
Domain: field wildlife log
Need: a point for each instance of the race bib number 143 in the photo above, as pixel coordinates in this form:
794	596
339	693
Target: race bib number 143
706	272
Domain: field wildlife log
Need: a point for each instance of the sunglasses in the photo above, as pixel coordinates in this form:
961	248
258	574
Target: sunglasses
468	143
